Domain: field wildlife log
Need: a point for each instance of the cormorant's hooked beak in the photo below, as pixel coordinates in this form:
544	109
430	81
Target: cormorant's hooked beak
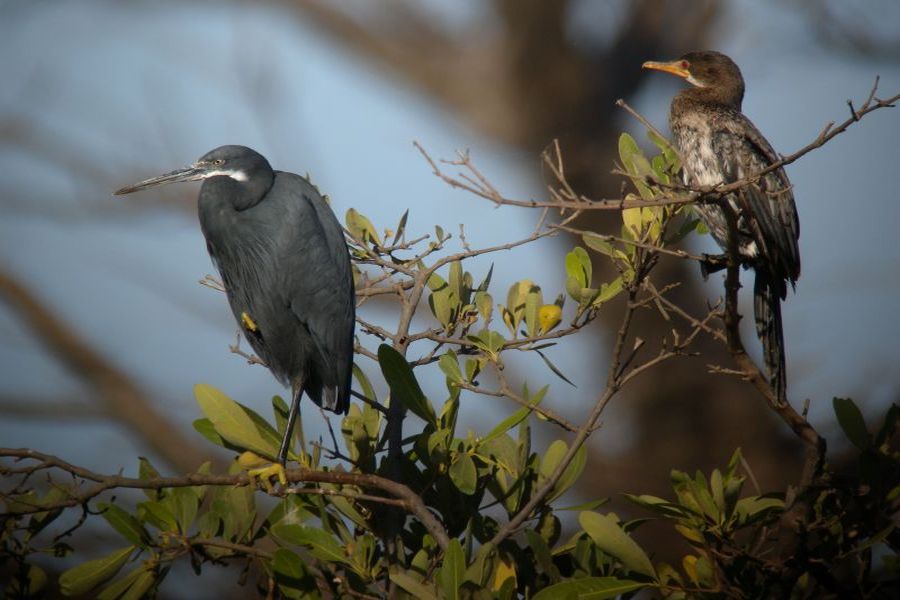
678	68
194	172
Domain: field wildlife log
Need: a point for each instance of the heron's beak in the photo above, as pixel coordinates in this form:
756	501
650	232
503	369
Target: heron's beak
675	68
192	173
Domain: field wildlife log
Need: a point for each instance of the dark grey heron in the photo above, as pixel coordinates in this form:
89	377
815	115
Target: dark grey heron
286	270
718	144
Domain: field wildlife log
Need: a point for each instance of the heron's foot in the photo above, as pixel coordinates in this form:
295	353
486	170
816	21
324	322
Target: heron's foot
712	263
263	469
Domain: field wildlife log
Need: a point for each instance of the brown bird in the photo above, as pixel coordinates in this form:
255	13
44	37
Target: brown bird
719	145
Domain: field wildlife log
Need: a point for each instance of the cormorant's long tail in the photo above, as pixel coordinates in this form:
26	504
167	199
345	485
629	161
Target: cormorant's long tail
767	297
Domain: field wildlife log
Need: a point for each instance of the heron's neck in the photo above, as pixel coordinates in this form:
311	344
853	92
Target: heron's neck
239	195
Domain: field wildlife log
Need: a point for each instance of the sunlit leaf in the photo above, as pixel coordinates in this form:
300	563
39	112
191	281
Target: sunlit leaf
464	474
231	421
450	575
609	536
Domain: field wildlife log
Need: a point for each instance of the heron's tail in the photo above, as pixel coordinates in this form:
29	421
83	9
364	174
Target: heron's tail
767	295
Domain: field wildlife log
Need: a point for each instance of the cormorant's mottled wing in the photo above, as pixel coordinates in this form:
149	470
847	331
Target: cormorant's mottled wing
321	295
769	203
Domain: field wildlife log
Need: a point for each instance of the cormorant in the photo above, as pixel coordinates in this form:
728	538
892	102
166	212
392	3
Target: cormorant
719	145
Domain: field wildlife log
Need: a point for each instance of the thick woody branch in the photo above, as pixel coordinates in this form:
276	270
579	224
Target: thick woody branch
403	496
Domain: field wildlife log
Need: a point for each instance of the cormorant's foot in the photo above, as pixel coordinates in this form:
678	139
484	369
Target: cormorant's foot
260	468
712	263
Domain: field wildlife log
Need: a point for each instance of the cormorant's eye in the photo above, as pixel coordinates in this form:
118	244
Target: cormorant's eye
219	161
685	65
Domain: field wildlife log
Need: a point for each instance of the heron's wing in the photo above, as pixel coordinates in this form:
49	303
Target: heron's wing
319	282
769	203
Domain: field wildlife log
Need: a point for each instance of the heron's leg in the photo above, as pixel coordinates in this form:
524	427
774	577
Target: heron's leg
291	422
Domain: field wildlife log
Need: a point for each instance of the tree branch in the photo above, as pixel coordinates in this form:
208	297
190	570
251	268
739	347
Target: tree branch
404	497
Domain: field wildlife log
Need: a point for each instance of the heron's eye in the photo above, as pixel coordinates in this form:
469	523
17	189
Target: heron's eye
685	65
219	161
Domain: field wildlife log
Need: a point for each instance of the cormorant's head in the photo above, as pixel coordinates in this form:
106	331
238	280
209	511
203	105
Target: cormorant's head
237	162
708	70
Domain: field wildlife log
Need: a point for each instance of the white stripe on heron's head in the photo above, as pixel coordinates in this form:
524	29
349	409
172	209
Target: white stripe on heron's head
235	174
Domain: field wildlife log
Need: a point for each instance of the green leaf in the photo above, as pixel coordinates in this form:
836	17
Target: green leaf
183	503
412	586
367	390
29	582
749	509
589	505
121	585
442	305
554	368
571	474
449	364
157	514
888	426
403	384
206	428
141	585
589	588
450	576
533	302
483	565
661	506
610	290
361	227
85	577
463	474
322	544
289	570
125	523
148	471
550	461
609	536
231	421
541	552
517	417
485	305
489	341
578	266
456	282
635	162
486	282
401	227
852	422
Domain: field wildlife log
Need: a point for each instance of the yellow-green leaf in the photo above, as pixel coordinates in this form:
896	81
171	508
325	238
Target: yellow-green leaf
609	536
86	576
231	420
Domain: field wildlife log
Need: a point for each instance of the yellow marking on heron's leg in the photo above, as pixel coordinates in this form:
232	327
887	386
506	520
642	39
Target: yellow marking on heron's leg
248	323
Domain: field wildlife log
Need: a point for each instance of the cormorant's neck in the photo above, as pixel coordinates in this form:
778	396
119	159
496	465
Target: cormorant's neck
240	195
729	96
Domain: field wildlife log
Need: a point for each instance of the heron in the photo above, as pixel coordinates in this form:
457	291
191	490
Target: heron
285	267
719	145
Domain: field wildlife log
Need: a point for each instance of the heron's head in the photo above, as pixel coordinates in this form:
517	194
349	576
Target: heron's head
237	162
709	70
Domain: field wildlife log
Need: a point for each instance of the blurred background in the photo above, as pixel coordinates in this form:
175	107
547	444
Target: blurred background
104	329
